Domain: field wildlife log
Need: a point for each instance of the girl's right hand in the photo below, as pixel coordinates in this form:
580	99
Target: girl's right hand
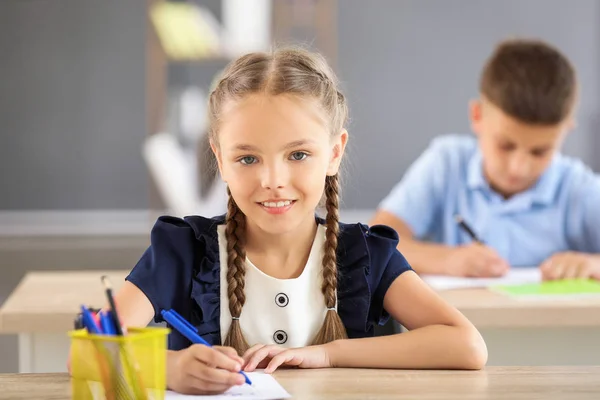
205	370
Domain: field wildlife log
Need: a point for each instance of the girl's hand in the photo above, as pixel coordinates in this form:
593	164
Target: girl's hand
270	357
201	369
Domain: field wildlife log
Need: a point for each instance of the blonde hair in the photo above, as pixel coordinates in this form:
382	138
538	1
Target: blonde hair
306	75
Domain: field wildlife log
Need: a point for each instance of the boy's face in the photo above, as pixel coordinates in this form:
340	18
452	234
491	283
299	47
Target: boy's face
515	154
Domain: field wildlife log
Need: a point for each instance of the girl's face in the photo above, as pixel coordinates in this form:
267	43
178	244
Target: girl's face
274	152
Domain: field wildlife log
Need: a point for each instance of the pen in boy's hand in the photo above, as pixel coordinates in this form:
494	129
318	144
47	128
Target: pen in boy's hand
461	222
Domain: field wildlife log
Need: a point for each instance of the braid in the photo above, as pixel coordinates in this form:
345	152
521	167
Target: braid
235	232
332	328
331	242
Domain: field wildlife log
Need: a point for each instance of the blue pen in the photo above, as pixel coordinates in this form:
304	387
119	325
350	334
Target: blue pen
106	323
88	321
189	331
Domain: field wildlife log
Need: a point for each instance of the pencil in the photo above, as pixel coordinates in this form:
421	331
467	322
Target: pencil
130	364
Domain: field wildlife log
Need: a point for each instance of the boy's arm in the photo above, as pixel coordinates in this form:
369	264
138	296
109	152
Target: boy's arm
473	260
414	207
425	258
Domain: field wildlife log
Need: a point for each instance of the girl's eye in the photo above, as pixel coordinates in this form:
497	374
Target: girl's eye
299	156
248	160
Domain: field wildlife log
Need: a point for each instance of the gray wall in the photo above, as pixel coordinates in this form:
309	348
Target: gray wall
410	68
72	118
72	89
72	107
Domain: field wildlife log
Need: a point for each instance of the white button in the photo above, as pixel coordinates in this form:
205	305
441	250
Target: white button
281	299
280	337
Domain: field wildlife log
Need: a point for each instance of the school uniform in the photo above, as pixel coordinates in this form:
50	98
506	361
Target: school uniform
185	269
558	213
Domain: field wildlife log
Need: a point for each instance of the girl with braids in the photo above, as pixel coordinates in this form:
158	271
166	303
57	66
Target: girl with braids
271	282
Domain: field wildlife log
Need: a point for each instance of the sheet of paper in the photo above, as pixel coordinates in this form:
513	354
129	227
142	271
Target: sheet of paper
516	276
264	387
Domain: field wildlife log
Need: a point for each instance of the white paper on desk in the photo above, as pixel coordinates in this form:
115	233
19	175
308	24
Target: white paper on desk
516	276
264	387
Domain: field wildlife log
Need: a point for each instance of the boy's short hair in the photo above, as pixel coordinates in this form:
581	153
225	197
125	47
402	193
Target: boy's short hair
530	81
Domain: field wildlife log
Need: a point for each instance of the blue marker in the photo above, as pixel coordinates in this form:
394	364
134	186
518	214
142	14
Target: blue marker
189	331
106	323
88	321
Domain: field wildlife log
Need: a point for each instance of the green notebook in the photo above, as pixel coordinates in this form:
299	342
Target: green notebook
552	288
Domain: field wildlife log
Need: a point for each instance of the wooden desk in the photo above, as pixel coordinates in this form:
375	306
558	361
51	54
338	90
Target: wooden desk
48	301
532	332
488	309
42	307
533	383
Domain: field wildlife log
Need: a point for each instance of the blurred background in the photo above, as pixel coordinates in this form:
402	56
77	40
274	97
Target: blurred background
102	106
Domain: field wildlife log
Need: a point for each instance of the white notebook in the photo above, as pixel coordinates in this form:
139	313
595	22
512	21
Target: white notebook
264	387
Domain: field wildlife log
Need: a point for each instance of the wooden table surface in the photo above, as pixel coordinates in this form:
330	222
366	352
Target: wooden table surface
488	309
515	383
47	302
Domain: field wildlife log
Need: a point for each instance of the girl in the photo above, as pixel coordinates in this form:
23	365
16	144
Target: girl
270	281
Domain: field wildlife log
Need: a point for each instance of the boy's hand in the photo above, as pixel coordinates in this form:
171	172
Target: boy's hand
571	265
476	260
270	357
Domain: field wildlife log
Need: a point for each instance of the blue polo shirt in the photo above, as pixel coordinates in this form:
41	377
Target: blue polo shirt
561	212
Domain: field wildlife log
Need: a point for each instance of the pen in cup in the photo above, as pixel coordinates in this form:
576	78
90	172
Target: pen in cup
106	323
129	363
88	321
113	308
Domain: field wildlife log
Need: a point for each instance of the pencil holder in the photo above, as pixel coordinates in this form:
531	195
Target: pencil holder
130	367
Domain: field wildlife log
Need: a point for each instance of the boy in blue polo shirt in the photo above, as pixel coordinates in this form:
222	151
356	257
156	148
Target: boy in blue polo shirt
524	202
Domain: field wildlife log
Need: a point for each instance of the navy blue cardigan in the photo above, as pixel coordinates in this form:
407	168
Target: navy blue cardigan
181	270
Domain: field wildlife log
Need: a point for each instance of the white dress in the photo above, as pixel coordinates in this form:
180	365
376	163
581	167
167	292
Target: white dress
286	312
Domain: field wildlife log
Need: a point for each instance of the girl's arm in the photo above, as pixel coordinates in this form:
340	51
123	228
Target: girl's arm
439	336
133	306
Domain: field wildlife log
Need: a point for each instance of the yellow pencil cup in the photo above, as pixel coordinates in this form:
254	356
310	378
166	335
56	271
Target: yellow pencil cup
130	367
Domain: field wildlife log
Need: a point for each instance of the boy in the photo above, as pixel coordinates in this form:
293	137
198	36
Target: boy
524	202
